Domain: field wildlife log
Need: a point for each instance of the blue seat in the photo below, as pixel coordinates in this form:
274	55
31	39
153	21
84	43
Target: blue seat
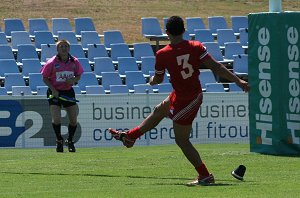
83	24
21	91
77	51
232	48
43	37
13	24
89	37
6	52
37	24
13	79
94	89
214	50
193	23
96	50
112	37
244	36
87	78
142	49
47	52
151	27
19	38
119	50
214	87
134	78
30	66
216	22
35	80
26	51
127	64
234	88
225	35
164	88
3	39
147	65
240	65
238	22
103	64
76	89
67	35
110	78
203	35
60	24
41	90
3	91
119	89
206	76
8	66
85	64
142	88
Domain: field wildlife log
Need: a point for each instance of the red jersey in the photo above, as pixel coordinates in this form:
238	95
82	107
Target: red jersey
182	62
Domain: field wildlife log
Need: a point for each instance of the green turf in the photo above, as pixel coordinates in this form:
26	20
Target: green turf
155	171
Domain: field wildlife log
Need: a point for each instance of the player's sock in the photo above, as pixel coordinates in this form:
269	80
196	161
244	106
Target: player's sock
202	171
134	133
57	130
71	130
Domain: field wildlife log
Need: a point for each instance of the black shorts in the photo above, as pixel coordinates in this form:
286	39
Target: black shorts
55	101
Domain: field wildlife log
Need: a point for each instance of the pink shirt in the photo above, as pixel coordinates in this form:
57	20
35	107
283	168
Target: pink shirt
58	72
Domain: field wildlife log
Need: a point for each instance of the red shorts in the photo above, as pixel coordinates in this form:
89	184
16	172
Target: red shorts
184	111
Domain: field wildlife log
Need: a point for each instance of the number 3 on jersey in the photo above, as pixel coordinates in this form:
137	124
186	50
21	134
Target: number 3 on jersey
183	62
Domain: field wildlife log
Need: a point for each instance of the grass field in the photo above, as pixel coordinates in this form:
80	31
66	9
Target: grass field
155	171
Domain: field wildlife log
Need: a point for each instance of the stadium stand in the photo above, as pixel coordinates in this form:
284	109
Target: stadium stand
85	64
87	78
134	78
193	23
126	64
8	66
103	64
234	88
119	50
41	90
214	87
43	37
238	22
244	37
164	88
32	65
94	89
60	24
232	48
112	37
142	49
142	88
47	52
13	24
89	37
3	91
110	78
3	40
37	24
26	51
147	65
216	22
35	80
67	35
13	79
21	91
203	35
96	50
6	52
77	51
119	89
19	38
83	24
240	65
225	35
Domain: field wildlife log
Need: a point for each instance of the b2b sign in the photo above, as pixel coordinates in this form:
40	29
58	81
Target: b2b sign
27	123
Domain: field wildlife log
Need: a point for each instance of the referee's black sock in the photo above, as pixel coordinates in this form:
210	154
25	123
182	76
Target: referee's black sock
71	130
57	130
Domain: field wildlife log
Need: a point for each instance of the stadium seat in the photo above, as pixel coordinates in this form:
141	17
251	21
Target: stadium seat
67	35
234	88
41	90
147	65
94	89
206	76
87	78
126	64
37	24
96	50
193	23
232	48
110	78
244	37
6	52
8	66
119	89
13	79
133	78
142	88
3	91
112	37
76	89
3	39
85	64
26	51
32	65
89	37
13	24
214	87
203	35
142	49
21	91
119	50
103	64
19	38
151	27
77	51
238	22
83	24
35	80
240	65
214	50
225	35
47	52
60	24
43	37
216	22
164	88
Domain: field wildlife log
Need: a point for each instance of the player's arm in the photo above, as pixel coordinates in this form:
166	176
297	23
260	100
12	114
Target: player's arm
156	79
49	84
220	70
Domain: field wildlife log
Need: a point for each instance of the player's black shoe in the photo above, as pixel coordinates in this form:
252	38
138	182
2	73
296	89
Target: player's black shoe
60	146
71	146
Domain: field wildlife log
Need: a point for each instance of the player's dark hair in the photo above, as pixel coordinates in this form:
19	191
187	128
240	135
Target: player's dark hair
175	25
